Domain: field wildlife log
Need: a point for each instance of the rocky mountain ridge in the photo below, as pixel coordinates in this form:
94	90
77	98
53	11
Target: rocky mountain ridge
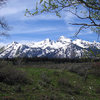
62	48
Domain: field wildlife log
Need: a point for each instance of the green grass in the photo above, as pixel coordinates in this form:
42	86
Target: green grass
52	84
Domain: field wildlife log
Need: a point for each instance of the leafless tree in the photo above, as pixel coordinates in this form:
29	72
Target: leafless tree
3	24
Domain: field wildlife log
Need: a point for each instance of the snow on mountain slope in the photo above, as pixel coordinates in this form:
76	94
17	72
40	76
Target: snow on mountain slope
62	48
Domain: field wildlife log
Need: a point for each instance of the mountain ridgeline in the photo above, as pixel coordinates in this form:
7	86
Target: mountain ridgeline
62	48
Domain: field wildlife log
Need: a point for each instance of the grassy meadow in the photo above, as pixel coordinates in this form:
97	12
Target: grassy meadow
49	81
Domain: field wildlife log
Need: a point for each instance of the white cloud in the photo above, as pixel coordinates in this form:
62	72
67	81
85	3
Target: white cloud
15	6
71	28
9	11
69	17
41	17
32	30
14	10
86	32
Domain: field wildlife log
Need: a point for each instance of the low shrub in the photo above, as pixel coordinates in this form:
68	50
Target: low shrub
98	90
8	98
4	63
67	87
11	76
64	82
96	69
52	97
56	73
45	78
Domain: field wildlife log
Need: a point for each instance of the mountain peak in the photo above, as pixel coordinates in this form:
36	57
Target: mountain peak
14	42
48	48
63	39
47	40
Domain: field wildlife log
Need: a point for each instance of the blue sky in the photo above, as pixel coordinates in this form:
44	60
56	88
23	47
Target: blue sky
40	27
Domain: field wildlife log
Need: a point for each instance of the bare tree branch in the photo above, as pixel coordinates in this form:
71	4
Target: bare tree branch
81	28
85	24
2	2
77	15
4	34
91	18
88	5
3	24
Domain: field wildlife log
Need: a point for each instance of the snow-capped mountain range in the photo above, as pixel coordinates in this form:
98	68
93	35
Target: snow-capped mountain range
62	48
